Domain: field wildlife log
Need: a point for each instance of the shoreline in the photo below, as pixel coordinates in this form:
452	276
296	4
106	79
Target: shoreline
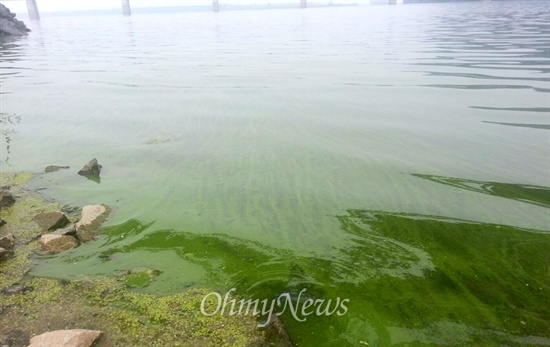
33	305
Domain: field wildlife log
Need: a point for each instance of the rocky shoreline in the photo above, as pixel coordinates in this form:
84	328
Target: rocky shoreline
48	312
9	25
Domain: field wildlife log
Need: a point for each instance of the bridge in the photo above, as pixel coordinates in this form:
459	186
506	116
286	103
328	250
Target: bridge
34	14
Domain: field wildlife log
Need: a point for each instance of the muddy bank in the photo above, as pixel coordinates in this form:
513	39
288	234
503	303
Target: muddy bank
31	306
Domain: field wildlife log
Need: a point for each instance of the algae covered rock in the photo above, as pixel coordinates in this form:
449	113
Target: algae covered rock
6	199
7	242
3	253
53	168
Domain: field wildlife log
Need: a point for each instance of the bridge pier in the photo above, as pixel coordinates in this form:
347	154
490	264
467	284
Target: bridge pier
126	11
303	3
32	9
215	5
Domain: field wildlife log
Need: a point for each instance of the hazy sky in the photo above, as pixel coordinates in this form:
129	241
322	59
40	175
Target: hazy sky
76	5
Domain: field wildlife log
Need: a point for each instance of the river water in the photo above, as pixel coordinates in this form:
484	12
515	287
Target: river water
394	156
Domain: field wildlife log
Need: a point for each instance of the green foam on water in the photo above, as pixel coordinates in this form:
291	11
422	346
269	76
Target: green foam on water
418	279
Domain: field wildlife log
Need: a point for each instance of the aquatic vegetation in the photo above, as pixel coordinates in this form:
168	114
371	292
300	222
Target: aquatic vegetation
410	279
33	305
140	278
489	283
19	218
532	194
126	317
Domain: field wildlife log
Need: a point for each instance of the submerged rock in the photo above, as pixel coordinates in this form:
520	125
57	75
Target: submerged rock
7	242
53	168
57	243
51	220
66	338
140	278
91	170
9	25
6	199
2	222
90	222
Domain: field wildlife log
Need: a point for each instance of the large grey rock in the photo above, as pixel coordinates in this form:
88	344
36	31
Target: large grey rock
7	242
90	222
66	338
57	243
51	220
6	199
9	25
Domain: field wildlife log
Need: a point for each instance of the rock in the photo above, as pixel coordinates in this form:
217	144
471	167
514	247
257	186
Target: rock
57	243
91	170
2	222
7	241
70	230
53	168
3	253
9	25
92	218
6	199
16	289
66	338
51	220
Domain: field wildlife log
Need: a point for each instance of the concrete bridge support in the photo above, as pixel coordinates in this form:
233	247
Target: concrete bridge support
126	10
34	15
303	3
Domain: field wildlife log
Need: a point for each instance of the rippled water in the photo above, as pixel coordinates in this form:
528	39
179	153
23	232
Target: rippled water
397	156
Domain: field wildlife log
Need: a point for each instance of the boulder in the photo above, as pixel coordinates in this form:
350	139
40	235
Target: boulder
9	25
7	242
66	338
51	220
91	170
57	243
6	199
90	222
2	222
